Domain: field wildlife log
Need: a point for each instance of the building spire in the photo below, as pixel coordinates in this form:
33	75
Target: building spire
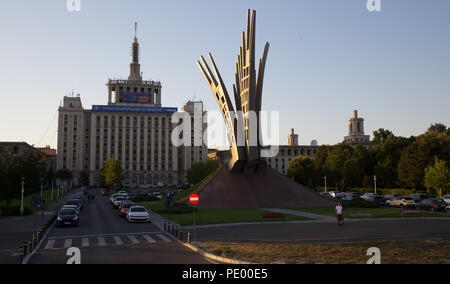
135	67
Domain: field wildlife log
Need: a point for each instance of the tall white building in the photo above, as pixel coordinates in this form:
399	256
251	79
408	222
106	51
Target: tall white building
133	127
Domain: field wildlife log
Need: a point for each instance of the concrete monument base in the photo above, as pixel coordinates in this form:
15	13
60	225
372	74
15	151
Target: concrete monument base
265	189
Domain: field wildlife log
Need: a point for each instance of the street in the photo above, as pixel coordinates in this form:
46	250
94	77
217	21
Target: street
103	237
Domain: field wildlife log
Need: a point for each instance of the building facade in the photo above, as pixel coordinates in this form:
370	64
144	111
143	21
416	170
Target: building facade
356	134
133	128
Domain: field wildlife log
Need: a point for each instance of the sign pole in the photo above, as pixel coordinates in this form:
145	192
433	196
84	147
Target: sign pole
194	199
195	230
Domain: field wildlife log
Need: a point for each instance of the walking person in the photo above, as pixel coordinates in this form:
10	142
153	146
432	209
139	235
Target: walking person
340	214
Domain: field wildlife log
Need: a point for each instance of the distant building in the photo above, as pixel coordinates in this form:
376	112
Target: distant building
47	155
133	128
356	134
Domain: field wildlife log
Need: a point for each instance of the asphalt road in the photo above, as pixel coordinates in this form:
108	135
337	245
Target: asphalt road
103	237
316	232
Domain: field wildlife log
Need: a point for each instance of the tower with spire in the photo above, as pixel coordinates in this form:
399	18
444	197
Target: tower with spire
134	91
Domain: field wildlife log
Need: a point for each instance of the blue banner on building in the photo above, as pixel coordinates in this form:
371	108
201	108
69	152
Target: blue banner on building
135	109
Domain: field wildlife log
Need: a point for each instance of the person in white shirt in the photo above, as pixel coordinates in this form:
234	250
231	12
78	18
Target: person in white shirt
340	214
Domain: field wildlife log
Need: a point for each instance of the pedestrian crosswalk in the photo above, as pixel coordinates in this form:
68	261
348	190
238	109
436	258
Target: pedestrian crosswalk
106	240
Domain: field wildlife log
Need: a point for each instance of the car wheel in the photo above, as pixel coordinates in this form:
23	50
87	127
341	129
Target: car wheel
402	206
387	205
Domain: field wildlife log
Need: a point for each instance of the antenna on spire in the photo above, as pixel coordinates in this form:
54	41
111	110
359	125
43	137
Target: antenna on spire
135	30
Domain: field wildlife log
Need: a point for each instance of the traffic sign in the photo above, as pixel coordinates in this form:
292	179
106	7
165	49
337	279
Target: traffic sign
194	199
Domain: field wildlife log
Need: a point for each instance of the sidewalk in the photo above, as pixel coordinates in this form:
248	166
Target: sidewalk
14	231
303	214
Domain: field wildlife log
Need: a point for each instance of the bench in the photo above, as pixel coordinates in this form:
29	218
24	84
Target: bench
272	216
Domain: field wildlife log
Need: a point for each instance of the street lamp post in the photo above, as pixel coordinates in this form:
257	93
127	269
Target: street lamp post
52	188
21	200
325	179
41	187
375	183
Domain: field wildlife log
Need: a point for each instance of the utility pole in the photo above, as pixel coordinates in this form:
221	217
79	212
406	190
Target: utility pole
21	201
375	183
325	179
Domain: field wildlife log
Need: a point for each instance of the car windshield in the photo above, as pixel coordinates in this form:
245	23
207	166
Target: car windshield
127	205
447	197
407	198
67	212
72	202
138	209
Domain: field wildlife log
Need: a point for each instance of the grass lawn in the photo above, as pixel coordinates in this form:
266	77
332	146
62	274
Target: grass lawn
375	212
215	216
392	252
47	196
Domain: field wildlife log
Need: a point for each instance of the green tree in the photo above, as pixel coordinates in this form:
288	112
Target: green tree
83	179
437	177
380	135
201	170
301	169
438	128
65	175
111	173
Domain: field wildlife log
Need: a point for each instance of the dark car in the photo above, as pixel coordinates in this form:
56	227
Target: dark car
77	202
68	217
418	197
377	199
431	204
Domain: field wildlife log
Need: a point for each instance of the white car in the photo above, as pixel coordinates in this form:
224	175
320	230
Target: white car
446	198
447	209
138	214
335	194
118	200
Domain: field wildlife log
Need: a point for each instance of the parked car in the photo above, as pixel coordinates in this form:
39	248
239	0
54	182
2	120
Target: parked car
431	204
401	201
118	200
71	207
391	196
125	207
447	209
123	192
418	197
366	196
446	199
351	195
325	194
336	194
138	214
67	217
76	202
377	199
160	184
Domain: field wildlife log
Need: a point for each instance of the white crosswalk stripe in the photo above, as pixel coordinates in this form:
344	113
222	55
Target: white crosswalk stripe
50	244
133	239
118	240
85	242
148	238
164	238
101	241
107	240
68	243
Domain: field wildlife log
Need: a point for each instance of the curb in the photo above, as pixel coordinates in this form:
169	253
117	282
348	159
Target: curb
215	257
28	257
202	252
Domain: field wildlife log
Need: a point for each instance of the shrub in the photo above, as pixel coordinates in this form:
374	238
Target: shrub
14	211
201	170
177	209
145	197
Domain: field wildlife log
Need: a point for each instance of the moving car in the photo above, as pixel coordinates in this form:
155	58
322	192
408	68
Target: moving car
138	214
401	201
418	197
125	207
431	204
67	217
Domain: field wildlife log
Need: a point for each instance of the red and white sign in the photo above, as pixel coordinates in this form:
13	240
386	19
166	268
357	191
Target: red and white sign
193	199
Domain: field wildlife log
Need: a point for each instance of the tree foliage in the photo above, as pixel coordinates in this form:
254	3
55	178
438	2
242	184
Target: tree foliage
437	177
396	161
111	173
201	170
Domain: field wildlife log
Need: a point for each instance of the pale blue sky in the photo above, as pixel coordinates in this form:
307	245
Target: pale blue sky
327	57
